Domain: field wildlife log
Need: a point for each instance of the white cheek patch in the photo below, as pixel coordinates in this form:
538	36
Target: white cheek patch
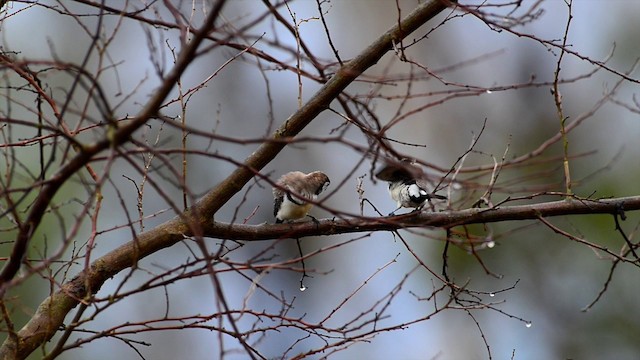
415	191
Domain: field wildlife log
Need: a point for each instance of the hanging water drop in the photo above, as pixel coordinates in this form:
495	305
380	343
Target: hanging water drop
528	324
303	288
491	244
489	91
492	294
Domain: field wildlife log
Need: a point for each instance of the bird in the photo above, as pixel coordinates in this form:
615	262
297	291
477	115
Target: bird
407	184
293	191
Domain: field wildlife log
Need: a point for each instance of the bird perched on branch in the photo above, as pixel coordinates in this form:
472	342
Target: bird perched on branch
407	184
293	191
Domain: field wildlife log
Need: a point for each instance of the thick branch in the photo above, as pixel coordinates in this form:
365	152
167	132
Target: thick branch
444	219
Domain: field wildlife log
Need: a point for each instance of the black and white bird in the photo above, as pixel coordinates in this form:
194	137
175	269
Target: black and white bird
407	184
293	191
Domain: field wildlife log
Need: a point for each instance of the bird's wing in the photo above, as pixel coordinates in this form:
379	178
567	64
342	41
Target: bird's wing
394	170
278	198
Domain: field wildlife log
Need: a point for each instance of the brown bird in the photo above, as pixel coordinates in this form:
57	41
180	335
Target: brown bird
295	189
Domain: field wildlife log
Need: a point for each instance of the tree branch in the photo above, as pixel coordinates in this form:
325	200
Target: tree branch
444	219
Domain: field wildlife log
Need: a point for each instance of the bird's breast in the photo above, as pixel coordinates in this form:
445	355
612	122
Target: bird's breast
290	211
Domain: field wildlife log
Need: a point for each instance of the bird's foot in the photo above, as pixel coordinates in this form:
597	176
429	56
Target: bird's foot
315	221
